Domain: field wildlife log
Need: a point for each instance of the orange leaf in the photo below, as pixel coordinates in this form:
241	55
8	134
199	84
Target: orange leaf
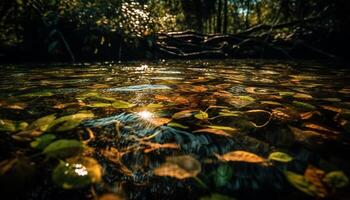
319	128
199	88
183	114
241	156
159	121
315	176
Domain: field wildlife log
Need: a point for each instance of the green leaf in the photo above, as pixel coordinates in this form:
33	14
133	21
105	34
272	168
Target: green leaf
69	125
224	128
177	125
72	121
228	113
155	105
286	94
122	104
180	167
305	106
64	148
336	179
77	173
273	103
223	175
299	182
99	105
37	94
240	101
43	123
12	126
280	157
201	115
42	141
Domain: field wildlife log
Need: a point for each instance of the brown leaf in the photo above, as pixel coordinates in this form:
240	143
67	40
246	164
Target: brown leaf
154	146
199	88
315	176
308	115
302	96
212	131
183	114
332	108
159	121
112	154
161	97
241	156
180	167
320	128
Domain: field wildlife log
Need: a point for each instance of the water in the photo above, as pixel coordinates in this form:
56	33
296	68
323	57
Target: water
138	120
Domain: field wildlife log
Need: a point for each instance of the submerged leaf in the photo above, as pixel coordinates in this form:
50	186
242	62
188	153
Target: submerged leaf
122	104
280	157
229	113
240	101
37	94
155	105
241	156
223	175
212	131
303	105
177	125
224	128
183	114
43	123
286	94
180	167
302	96
159	121
99	105
336	179
299	182
42	141
64	148
71	121
314	176
77	173
201	115
12	126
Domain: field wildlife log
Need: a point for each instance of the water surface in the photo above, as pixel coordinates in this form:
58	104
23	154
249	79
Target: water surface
178	129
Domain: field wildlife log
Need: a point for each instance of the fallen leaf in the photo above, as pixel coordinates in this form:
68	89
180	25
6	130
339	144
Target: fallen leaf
280	157
336	179
315	176
180	167
201	115
77	172
241	156
177	125
213	131
183	114
300	182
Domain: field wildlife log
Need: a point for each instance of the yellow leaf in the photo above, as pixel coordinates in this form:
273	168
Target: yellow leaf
201	115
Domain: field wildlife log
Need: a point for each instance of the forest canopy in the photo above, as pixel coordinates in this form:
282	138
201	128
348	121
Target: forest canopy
107	29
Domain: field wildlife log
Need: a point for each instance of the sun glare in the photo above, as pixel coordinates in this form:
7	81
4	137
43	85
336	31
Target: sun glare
145	114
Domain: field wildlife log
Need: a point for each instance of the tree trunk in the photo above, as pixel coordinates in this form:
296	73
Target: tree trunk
218	22
225	17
